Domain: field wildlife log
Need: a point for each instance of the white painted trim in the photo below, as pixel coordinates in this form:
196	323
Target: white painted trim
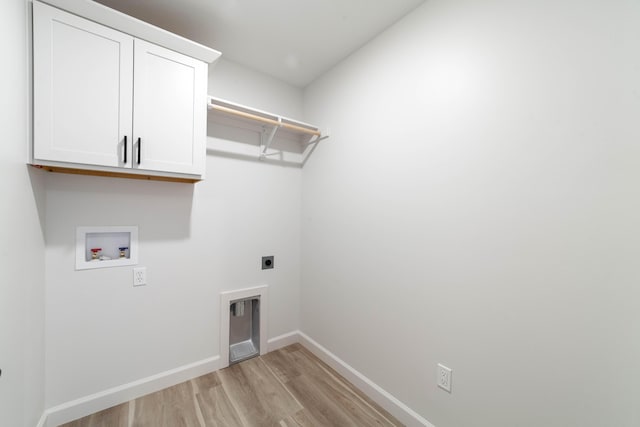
225	300
87	405
395	407
283	340
84	406
42	422
119	21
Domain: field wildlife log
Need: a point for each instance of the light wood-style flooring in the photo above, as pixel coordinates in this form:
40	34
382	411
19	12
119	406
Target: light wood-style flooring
287	387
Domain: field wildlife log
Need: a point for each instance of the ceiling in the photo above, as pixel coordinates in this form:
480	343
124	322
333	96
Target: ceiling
293	40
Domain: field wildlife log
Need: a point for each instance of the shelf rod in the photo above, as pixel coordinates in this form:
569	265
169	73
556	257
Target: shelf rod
264	120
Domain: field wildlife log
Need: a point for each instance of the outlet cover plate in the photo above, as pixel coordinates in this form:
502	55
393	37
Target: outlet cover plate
139	276
444	378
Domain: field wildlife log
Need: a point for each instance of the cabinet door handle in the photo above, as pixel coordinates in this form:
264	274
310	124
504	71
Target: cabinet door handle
139	144
125	149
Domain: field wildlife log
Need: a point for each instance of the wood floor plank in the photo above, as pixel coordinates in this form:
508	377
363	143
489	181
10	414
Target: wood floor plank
281	365
289	387
299	419
325	383
217	409
321	409
117	416
261	400
171	407
206	382
367	403
293	347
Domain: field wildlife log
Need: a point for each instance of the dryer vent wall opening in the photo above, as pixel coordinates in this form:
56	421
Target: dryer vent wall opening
244	329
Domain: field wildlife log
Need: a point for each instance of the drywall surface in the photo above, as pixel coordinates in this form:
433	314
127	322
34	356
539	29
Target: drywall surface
195	241
477	206
236	83
21	237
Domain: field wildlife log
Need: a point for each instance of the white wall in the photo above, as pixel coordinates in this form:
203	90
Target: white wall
195	240
21	237
477	205
236	83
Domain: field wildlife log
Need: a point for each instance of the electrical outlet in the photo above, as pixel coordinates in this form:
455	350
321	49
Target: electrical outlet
444	378
140	276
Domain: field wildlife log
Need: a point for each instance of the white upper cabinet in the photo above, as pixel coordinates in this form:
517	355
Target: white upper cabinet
105	101
170	91
83	89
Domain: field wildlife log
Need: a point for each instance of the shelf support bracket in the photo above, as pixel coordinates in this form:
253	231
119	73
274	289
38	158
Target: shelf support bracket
267	139
318	139
310	147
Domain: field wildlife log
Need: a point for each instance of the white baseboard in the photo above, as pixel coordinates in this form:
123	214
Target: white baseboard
42	422
283	340
402	412
87	405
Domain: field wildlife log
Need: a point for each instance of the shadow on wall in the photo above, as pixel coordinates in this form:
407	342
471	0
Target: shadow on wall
37	178
238	140
253	157
163	210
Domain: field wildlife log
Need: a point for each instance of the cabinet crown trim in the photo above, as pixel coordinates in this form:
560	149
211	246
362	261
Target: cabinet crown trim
127	24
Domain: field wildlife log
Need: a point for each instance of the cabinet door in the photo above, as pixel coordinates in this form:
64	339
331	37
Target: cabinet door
83	77
169	110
